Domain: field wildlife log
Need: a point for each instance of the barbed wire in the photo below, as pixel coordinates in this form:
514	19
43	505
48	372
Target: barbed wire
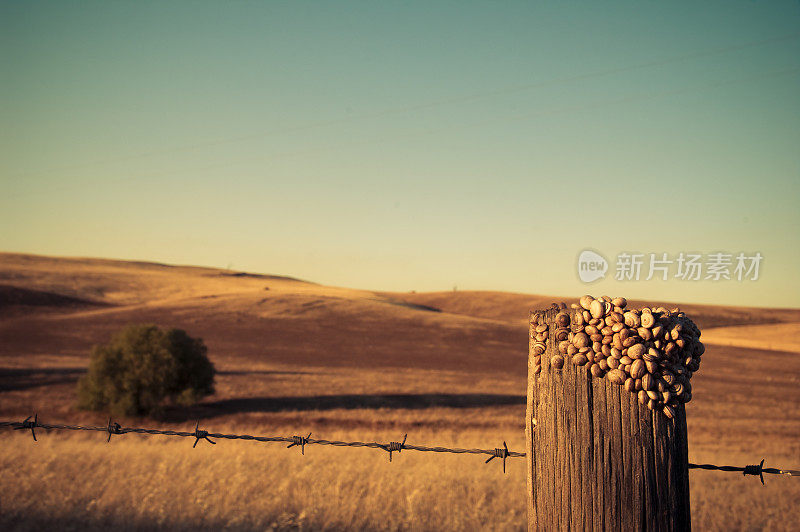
294	441
113	428
755	470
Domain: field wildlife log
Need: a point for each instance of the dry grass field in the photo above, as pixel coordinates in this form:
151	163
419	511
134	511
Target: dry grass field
295	357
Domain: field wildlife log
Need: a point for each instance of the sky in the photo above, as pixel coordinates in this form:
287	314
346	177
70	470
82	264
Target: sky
410	145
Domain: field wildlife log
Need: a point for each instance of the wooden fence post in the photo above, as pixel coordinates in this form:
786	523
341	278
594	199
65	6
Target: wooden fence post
597	459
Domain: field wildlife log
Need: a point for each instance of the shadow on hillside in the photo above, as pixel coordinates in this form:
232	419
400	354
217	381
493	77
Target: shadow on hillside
347	402
13	379
263	372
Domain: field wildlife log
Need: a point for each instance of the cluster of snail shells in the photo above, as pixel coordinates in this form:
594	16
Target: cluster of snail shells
652	352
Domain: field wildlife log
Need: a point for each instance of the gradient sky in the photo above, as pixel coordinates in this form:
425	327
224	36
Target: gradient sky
409	145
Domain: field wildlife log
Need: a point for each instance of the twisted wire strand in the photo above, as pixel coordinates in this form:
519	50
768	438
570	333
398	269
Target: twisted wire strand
747	469
217	435
756	470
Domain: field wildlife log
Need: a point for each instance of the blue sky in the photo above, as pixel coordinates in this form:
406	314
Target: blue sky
408	145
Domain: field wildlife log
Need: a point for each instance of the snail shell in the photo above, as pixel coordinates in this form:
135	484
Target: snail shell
638	369
630	385
596	370
632	319
579	360
625	360
669	411
616	343
643	398
616	376
652	354
562	319
563	346
658	331
651	366
557	361
647	320
648	381
699	349
678	389
612	363
571	349
541	328
653	395
636	351
586	302
580	339
603	364
597	309
620	302
562	334
629	341
538	348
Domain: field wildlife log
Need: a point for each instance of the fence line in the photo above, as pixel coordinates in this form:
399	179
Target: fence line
301	441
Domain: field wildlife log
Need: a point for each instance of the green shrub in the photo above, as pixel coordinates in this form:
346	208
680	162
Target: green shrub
144	368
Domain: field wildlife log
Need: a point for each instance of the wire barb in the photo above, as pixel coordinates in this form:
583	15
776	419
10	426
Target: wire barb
500	453
28	424
301	441
755	470
200	435
113	428
395	446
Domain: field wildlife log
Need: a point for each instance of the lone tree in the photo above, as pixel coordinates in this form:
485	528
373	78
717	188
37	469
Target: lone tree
143	368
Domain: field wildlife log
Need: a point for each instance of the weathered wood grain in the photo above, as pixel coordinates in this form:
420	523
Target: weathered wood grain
597	459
